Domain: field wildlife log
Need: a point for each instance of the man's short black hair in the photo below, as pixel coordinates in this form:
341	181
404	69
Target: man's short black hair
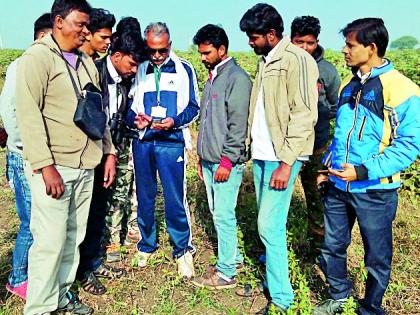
211	34
99	19
369	31
305	25
41	24
128	24
129	43
262	18
65	7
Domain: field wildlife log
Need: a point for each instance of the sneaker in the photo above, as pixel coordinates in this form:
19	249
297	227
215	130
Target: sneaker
186	265
19	291
106	271
74	306
214	281
113	253
329	307
142	258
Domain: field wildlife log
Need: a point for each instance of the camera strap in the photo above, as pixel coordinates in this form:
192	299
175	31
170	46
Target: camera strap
73	81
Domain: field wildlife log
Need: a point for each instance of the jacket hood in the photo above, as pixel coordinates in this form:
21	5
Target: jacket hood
318	53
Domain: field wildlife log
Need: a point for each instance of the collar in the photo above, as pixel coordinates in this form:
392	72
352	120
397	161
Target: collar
112	72
374	71
277	52
318	53
270	55
162	64
216	69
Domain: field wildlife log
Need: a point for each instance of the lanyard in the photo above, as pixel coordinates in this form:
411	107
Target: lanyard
157	72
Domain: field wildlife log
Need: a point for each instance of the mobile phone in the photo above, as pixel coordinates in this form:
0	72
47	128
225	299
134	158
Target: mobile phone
323	171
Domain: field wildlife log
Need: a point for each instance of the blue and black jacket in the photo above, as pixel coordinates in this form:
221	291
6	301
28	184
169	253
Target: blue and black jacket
168	99
377	129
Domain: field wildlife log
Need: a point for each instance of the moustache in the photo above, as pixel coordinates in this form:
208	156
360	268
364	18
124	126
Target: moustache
157	59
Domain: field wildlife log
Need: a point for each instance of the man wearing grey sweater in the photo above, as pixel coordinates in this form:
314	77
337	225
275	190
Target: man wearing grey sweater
221	148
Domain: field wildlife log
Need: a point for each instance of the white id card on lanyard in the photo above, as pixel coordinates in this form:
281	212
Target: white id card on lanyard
158	111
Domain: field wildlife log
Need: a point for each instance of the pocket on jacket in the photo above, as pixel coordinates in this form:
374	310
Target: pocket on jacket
274	73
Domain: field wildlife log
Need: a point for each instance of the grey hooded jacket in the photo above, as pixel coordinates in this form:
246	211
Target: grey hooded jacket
224	114
328	86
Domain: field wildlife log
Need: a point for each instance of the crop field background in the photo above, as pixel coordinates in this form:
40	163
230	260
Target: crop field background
157	289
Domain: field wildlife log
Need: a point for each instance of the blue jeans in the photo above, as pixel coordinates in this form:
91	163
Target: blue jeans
16	175
222	197
375	212
273	207
168	158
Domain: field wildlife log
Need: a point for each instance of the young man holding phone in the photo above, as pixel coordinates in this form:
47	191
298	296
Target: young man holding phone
377	136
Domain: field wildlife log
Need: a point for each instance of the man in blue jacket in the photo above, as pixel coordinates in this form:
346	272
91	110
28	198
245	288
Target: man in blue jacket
377	136
165	104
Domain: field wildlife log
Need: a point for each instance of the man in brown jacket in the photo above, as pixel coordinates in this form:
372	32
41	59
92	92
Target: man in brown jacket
61	157
282	116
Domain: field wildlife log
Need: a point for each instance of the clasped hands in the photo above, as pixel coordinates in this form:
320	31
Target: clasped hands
142	121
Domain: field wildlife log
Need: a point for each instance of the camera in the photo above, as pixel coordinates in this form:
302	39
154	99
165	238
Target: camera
119	129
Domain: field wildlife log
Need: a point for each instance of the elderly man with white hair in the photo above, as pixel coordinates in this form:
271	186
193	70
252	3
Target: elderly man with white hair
165	104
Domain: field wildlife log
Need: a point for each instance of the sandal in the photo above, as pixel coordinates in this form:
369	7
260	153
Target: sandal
108	272
92	285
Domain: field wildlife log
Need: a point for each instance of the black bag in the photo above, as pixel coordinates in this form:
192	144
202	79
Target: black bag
90	116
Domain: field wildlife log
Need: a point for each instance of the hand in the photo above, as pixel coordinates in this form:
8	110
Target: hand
109	170
3	137
142	121
348	173
200	170
54	185
222	174
280	177
165	124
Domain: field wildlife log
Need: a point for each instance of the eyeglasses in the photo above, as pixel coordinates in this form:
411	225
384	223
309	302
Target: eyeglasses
161	51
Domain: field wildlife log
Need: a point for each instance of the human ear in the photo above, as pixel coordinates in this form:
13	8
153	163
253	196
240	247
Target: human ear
58	21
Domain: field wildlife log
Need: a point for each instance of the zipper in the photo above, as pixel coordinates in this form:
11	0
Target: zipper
205	118
361	129
356	104
81	155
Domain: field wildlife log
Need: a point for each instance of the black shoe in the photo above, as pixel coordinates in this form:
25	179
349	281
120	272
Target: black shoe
272	309
329	307
74	306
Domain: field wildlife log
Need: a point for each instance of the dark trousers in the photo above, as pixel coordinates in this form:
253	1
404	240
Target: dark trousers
167	158
91	249
375	212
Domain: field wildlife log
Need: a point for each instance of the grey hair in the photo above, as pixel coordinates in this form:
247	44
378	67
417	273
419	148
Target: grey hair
157	29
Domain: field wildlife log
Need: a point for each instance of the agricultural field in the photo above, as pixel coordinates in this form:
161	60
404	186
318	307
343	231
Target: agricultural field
158	290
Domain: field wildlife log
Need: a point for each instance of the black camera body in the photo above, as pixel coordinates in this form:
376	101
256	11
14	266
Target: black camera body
119	129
